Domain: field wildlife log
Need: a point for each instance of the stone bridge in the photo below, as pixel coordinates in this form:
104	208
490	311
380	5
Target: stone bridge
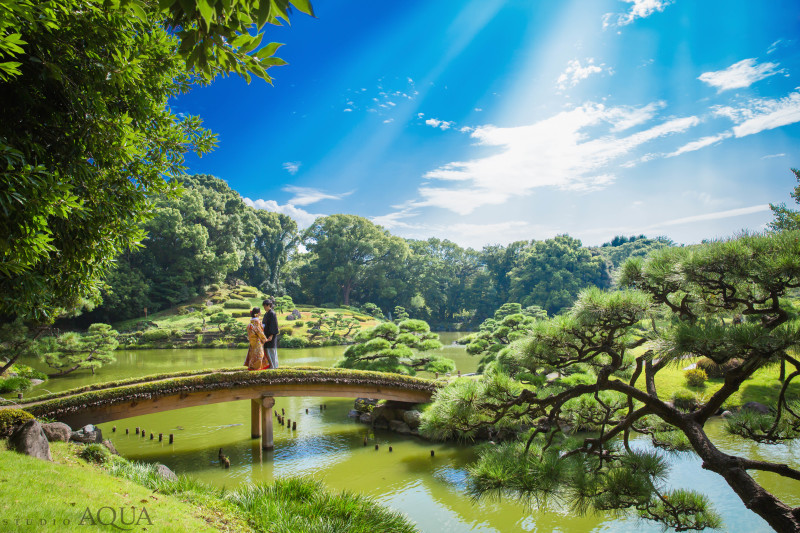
105	402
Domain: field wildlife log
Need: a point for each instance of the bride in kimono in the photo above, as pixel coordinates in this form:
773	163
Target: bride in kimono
256	360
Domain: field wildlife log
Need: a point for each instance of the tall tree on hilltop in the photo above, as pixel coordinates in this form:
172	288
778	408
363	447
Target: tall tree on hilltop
351	253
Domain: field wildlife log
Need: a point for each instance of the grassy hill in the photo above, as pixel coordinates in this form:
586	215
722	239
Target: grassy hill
219	319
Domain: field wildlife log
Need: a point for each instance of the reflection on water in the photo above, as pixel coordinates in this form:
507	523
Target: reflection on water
329	446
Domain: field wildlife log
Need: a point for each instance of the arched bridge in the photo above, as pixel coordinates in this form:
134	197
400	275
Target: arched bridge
105	402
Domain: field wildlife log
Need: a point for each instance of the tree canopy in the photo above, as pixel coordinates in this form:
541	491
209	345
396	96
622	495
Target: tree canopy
679	301
87	136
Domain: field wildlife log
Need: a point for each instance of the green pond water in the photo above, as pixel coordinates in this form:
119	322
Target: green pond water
329	446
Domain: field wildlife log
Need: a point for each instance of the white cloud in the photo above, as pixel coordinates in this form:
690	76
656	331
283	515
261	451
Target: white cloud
441	124
554	152
639	9
762	114
307	195
739	75
575	73
388	121
292	167
625	117
303	218
772	156
700	143
711	216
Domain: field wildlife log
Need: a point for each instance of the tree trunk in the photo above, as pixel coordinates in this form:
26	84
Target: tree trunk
8	365
777	514
346	292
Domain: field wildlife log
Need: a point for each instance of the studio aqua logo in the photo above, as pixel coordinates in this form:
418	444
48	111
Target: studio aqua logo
123	520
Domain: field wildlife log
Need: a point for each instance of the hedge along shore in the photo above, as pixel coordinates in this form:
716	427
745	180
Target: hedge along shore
152	387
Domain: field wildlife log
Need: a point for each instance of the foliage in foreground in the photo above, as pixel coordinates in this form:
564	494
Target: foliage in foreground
681	301
87	137
287	505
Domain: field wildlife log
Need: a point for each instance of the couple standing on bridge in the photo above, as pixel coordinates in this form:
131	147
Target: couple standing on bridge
263	338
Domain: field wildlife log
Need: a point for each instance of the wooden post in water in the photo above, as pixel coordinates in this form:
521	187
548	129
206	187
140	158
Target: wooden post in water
267	403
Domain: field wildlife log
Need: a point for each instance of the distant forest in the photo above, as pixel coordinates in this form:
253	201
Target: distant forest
208	234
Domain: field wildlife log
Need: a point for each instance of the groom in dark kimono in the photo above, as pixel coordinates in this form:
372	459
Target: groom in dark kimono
271	331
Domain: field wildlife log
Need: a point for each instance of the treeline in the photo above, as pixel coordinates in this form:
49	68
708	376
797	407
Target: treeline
208	234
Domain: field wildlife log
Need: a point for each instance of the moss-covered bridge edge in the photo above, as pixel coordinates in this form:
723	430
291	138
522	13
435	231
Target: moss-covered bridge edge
136	396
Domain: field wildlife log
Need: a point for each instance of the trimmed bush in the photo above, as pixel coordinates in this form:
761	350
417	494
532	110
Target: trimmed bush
28	372
198	329
237	304
213	309
213	287
684	399
292	342
299	324
14	384
239	314
10	419
95	453
716	370
696	377
155	335
244	345
285	331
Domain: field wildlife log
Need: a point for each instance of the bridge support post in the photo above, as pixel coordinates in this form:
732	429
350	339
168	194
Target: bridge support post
255	418
267	402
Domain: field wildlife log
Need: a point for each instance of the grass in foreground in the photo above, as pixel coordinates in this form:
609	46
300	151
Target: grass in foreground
40	496
62	490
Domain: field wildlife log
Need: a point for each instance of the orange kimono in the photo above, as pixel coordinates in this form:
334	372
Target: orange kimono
256	359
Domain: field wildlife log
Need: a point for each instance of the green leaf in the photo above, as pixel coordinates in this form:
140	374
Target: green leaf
268	50
207	11
304	6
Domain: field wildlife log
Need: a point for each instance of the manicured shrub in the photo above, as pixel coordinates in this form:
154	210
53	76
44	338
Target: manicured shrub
299	324
28	372
285	331
156	335
198	329
696	377
239	314
292	342
95	453
237	304
716	370
10	419
684	399
213	287
244	345
13	384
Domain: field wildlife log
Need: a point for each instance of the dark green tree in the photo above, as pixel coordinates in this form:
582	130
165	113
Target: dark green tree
73	351
351	254
15	342
390	347
618	393
551	273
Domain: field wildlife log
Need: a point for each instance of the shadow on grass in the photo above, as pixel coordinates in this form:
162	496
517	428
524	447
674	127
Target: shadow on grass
767	393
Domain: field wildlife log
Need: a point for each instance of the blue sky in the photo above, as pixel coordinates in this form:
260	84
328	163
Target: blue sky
490	121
